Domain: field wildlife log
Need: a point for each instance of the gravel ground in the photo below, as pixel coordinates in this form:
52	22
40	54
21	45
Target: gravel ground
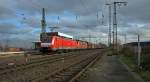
107	69
38	71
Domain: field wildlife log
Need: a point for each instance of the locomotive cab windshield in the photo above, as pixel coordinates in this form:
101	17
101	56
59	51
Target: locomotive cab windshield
45	38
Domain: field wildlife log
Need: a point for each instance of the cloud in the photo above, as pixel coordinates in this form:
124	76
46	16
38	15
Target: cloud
20	19
17	36
7	28
137	10
6	10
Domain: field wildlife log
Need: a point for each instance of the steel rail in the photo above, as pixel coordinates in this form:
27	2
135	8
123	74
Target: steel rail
34	63
61	72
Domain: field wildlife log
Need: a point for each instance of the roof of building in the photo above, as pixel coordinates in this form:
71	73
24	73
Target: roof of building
146	43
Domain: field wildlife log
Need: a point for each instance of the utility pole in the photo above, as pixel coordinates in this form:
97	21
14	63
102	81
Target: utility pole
115	29
125	39
6	45
76	20
139	52
89	37
58	21
109	32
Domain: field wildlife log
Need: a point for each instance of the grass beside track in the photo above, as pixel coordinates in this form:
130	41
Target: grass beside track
128	61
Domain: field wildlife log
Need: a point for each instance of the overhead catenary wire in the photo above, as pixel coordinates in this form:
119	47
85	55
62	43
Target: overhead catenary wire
25	18
97	13
38	6
103	15
84	6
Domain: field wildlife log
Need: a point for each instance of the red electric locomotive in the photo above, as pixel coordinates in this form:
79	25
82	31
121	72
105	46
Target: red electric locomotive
53	41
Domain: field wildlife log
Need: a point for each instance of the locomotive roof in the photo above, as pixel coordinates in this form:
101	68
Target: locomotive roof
82	41
59	34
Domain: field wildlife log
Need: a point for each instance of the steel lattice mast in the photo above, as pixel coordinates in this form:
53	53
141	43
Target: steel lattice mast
43	21
115	29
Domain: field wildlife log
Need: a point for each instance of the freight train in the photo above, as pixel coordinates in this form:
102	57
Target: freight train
56	41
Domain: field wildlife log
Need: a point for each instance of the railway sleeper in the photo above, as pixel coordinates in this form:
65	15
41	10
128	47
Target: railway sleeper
75	70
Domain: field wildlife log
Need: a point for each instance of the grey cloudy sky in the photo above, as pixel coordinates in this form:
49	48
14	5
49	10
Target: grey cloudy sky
20	19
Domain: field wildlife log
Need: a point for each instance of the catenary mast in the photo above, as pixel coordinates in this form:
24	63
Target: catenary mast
43	21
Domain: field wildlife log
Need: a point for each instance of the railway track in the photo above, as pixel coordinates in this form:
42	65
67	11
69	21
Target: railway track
34	62
46	56
38	67
31	60
69	73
